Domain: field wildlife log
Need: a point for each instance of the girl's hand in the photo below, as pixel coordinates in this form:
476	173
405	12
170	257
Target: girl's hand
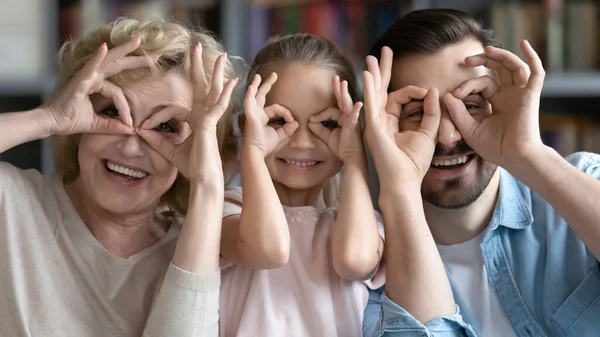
265	128
339	128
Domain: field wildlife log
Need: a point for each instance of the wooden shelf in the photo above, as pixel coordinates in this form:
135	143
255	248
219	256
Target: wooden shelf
572	85
30	87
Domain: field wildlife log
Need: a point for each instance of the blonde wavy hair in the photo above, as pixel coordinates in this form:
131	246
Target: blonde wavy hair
173	42
300	48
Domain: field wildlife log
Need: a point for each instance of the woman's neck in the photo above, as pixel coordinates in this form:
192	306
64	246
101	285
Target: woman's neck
122	235
293	197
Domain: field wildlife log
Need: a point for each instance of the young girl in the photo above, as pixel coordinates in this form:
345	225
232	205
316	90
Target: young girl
298	258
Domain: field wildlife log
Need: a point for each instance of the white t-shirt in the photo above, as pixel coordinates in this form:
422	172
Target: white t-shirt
468	273
56	279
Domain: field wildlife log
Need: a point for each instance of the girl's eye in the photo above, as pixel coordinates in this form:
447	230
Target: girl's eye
111	112
276	122
416	114
330	124
165	127
471	106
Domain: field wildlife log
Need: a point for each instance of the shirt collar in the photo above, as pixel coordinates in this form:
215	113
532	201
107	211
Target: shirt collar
513	208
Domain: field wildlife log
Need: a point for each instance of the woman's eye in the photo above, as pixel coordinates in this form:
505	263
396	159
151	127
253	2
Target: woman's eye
165	127
330	124
111	112
471	106
276	122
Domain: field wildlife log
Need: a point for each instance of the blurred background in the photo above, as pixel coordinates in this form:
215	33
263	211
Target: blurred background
565	33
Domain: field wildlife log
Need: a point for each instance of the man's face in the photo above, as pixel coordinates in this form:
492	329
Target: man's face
457	175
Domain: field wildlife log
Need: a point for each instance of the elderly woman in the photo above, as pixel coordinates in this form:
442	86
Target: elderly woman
143	139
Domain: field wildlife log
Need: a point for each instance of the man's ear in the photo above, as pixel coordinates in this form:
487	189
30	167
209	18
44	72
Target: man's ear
241	122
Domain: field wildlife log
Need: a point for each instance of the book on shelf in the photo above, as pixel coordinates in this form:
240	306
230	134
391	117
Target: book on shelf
80	17
564	32
568	133
352	25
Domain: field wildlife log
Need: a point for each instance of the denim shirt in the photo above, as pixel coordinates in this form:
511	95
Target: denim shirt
546	280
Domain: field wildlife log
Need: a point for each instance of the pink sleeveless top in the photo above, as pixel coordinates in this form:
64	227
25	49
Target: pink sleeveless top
304	298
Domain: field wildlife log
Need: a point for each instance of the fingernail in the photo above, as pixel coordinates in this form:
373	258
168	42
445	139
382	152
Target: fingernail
143	126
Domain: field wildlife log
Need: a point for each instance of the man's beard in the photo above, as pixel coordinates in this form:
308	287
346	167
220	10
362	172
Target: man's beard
457	192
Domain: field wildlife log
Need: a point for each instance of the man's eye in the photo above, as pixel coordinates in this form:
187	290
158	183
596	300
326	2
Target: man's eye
165	127
330	124
111	112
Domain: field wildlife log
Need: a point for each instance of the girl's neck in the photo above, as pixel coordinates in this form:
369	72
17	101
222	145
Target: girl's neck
293	197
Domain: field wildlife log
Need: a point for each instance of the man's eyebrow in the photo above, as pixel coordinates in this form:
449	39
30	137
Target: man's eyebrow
414	100
476	93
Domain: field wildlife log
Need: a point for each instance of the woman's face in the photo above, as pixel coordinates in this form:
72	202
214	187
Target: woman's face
121	173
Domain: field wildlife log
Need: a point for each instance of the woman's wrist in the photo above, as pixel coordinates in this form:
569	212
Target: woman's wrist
46	120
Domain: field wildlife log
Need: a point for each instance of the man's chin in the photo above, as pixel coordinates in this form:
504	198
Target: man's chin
457	193
443	200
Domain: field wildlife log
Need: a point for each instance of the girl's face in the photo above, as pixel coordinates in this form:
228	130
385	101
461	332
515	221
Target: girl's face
303	161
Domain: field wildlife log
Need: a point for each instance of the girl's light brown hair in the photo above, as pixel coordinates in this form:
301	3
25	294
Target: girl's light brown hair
174	43
306	48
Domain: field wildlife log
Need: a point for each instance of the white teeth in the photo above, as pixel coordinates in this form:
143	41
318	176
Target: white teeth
125	170
301	163
450	162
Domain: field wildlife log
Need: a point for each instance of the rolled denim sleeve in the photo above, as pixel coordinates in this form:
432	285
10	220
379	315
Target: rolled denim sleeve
394	321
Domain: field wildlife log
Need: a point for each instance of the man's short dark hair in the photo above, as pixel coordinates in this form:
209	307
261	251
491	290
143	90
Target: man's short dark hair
430	30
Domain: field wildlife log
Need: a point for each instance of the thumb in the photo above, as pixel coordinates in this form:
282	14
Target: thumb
353	116
159	143
465	123
290	128
110	126
430	123
319	130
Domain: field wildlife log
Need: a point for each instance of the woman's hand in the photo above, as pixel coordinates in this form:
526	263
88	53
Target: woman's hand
71	110
196	156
